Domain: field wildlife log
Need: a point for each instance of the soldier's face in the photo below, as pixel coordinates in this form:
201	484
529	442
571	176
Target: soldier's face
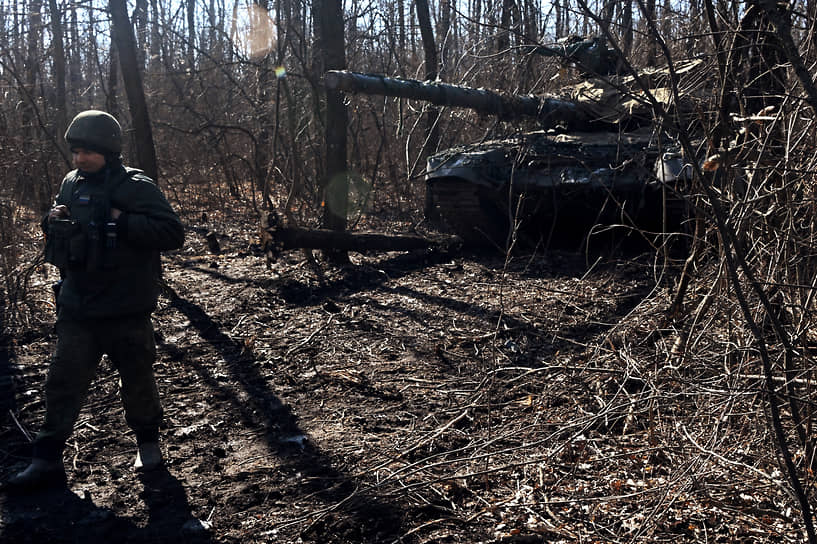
87	160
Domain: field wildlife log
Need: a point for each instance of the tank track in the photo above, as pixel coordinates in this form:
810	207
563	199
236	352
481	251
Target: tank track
465	209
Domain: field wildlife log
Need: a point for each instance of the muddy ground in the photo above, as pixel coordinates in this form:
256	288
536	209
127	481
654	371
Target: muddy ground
406	397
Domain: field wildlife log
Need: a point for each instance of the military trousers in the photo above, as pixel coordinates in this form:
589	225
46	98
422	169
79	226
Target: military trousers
81	343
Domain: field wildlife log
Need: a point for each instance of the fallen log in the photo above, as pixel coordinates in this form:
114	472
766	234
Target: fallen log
280	238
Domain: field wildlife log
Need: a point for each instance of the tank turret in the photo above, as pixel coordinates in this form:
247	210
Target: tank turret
591	56
597	159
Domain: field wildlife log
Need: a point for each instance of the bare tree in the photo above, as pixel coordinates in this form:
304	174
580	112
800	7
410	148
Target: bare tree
432	137
58	51
336	182
32	63
140	20
132	76
191	33
649	15
111	94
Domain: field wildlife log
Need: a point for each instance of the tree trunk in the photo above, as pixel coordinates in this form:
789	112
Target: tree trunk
140	16
503	38
476	26
626	33
75	54
666	19
444	33
627	27
286	238
132	76
432	140
191	33
427	35
607	13
401	24
111	102
652	46
531	21
155	38
61	117
263	79
32	65
336	182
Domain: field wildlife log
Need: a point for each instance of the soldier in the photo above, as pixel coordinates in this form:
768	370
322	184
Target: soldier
104	233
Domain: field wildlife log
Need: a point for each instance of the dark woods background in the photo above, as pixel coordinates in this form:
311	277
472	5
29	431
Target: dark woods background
234	90
224	103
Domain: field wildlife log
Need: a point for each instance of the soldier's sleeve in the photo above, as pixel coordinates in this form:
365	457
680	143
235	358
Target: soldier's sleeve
147	218
62	198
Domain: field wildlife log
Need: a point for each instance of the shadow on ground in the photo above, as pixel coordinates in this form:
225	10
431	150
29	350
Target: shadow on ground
363	518
62	515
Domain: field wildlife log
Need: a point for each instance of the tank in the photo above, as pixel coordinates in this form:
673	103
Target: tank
591	56
549	188
597	163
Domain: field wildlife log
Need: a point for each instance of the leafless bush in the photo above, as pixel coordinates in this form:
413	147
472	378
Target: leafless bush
19	259
703	393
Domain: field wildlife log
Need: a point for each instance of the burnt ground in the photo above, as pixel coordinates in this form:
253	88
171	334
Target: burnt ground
420	397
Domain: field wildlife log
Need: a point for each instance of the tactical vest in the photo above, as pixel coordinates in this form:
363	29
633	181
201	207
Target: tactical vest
88	238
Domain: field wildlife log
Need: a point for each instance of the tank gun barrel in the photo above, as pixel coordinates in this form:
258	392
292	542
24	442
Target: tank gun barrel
551	51
440	94
549	111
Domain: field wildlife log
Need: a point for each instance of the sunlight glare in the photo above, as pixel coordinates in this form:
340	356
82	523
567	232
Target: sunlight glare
255	31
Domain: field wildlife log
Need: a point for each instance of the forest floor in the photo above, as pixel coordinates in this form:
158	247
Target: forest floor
405	397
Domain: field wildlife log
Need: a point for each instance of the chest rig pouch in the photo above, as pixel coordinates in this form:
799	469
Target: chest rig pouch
65	244
88	240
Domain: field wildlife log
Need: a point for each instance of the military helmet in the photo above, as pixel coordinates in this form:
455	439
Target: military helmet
95	130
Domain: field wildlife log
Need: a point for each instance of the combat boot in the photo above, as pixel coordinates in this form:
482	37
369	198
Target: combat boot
148	456
40	474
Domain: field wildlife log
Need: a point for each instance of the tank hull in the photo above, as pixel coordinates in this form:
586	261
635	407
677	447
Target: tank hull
554	189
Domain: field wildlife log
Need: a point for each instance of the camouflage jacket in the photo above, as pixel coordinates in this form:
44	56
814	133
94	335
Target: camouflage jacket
116	268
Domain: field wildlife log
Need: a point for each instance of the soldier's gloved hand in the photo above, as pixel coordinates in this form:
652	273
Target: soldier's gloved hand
59	212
